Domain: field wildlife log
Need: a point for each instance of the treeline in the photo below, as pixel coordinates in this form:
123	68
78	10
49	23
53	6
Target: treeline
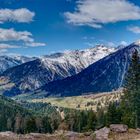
126	111
13	117
44	118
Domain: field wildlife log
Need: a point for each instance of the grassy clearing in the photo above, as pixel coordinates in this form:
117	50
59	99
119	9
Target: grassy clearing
82	102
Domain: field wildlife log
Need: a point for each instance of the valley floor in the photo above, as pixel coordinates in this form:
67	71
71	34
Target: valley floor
81	102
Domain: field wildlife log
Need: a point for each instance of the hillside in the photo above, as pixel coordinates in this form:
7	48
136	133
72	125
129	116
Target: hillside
104	75
85	102
7	62
34	74
10	113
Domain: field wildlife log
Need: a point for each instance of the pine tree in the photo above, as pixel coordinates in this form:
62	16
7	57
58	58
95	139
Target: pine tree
91	122
80	121
9	124
71	119
130	104
113	115
18	122
39	124
101	118
46	125
30	125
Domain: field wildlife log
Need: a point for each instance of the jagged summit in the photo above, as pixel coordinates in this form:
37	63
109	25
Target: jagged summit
105	75
7	62
137	42
36	73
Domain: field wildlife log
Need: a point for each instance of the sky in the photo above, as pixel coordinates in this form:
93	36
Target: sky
40	27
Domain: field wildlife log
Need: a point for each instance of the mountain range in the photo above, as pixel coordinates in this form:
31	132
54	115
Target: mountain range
7	62
71	73
104	75
34	74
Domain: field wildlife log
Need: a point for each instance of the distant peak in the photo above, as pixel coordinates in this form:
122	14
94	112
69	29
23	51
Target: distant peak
137	42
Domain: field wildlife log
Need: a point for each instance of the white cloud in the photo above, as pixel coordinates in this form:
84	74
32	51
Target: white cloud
134	29
4	47
12	35
95	13
22	15
89	44
124	43
7	46
35	44
111	44
3	51
25	37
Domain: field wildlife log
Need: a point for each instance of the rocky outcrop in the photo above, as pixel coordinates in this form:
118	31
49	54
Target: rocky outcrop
7	134
119	128
67	135
115	132
102	134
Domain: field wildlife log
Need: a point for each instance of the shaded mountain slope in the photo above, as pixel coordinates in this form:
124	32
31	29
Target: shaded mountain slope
105	75
34	74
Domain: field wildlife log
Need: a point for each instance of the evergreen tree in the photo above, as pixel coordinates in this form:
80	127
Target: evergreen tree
18	123
80	121
130	104
101	118
70	119
46	125
91	120
113	115
31	125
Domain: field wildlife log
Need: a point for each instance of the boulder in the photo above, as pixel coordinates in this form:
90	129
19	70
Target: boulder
119	128
102	134
7	134
71	134
138	129
88	133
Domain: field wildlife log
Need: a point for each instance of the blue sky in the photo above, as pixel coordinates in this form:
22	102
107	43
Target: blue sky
39	27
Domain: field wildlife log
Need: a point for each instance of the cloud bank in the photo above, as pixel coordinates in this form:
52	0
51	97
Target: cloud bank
11	35
134	29
96	13
22	15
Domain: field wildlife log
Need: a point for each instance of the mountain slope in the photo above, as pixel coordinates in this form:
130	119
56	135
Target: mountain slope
7	62
34	74
10	111
105	75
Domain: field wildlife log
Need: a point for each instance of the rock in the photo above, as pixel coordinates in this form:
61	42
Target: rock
119	128
36	135
71	134
7	134
87	133
102	134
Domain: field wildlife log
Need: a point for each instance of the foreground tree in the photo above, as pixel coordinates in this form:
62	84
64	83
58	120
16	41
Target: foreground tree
130	104
91	120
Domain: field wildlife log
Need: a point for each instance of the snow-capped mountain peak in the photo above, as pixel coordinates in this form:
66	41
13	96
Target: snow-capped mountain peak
7	62
137	42
105	75
34	74
86	56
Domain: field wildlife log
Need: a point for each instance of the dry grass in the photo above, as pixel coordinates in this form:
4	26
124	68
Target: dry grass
130	135
46	137
82	102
